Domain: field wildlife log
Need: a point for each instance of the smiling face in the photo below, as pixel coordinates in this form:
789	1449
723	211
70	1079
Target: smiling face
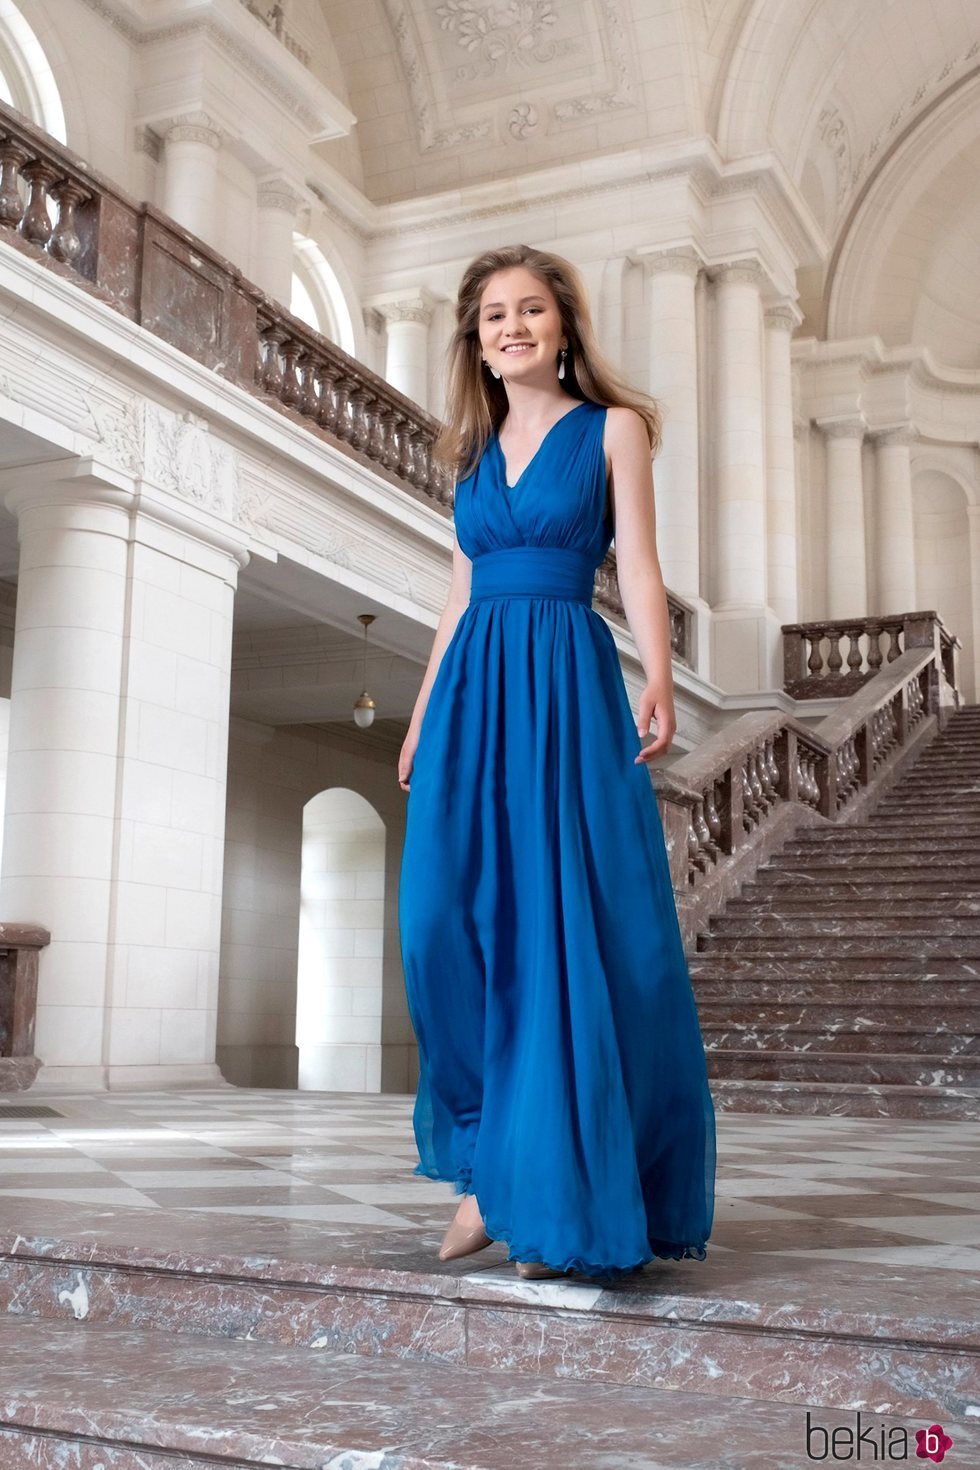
520	327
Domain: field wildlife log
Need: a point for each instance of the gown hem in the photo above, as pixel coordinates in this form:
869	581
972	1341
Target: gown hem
597	1270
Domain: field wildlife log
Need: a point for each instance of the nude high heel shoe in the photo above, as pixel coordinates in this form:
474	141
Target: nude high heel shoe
533	1270
463	1240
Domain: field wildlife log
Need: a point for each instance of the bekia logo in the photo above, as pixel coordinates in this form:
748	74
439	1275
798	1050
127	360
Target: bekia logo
886	1442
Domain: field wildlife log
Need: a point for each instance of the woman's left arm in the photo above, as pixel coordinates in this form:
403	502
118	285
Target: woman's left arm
641	582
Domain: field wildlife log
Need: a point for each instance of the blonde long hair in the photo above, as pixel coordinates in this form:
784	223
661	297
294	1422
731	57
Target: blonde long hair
476	402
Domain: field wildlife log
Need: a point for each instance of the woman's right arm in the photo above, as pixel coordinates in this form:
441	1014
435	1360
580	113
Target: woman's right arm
456	601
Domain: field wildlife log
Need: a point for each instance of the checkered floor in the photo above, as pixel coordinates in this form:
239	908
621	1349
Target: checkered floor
887	1191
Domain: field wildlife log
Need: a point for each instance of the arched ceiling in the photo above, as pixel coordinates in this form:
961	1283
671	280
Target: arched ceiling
450	93
453	93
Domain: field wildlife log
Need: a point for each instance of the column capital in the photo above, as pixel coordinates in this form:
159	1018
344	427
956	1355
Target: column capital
194	127
852	428
738	272
783	316
680	260
74	488
411	305
279	193
901	434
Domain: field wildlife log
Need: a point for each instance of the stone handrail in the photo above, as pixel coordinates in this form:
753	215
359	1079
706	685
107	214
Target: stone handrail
146	266
19	946
822	674
731	803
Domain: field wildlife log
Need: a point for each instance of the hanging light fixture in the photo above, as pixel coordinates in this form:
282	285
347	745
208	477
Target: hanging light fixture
364	705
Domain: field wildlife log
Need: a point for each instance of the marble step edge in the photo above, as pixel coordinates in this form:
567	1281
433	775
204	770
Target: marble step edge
895	1068
841	970
886	863
478	1282
847	842
798	1098
407	1416
942	869
807	1036
928	945
910	904
763	922
804	996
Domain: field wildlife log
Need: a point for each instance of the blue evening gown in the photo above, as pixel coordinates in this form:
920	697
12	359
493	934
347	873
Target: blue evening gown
563	1077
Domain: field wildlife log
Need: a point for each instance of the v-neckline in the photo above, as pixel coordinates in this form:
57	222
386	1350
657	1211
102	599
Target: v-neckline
548	432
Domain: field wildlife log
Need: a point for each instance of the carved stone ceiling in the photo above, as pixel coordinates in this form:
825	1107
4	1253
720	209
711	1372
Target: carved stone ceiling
451	92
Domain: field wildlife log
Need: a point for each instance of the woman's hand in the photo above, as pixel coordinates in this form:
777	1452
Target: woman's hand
658	707
406	759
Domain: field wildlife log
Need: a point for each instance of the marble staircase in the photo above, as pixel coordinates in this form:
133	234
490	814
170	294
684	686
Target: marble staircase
846	977
143	1340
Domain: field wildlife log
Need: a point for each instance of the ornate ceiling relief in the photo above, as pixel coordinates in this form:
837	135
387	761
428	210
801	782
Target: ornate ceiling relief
464	60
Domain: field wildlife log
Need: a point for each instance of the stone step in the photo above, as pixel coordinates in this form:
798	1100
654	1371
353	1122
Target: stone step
904	1001
137	1400
843	968
828	1067
849	905
689	1327
963	864
865	948
757	922
913	844
845	1100
944	817
946	876
823	1026
892	829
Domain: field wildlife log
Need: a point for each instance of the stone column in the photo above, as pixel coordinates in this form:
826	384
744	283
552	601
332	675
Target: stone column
746	634
894	521
408	316
673	379
278	203
781	526
847	567
190	190
114	819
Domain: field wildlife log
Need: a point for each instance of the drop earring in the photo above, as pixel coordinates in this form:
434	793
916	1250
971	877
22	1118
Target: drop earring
561	365
492	369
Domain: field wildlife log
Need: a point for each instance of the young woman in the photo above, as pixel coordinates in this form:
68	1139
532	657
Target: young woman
563	1086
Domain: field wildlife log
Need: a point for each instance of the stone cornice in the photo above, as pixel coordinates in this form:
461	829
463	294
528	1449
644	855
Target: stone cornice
851	428
228	26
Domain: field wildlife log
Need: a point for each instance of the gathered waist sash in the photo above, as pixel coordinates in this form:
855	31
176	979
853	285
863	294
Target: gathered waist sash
533	571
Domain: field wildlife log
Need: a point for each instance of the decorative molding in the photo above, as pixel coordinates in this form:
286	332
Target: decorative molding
842	428
416	305
279	194
833	134
740	273
682	260
901	435
523	120
224	40
181	456
145	140
782	316
501	35
117	429
430	137
593	103
899	117
194	127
